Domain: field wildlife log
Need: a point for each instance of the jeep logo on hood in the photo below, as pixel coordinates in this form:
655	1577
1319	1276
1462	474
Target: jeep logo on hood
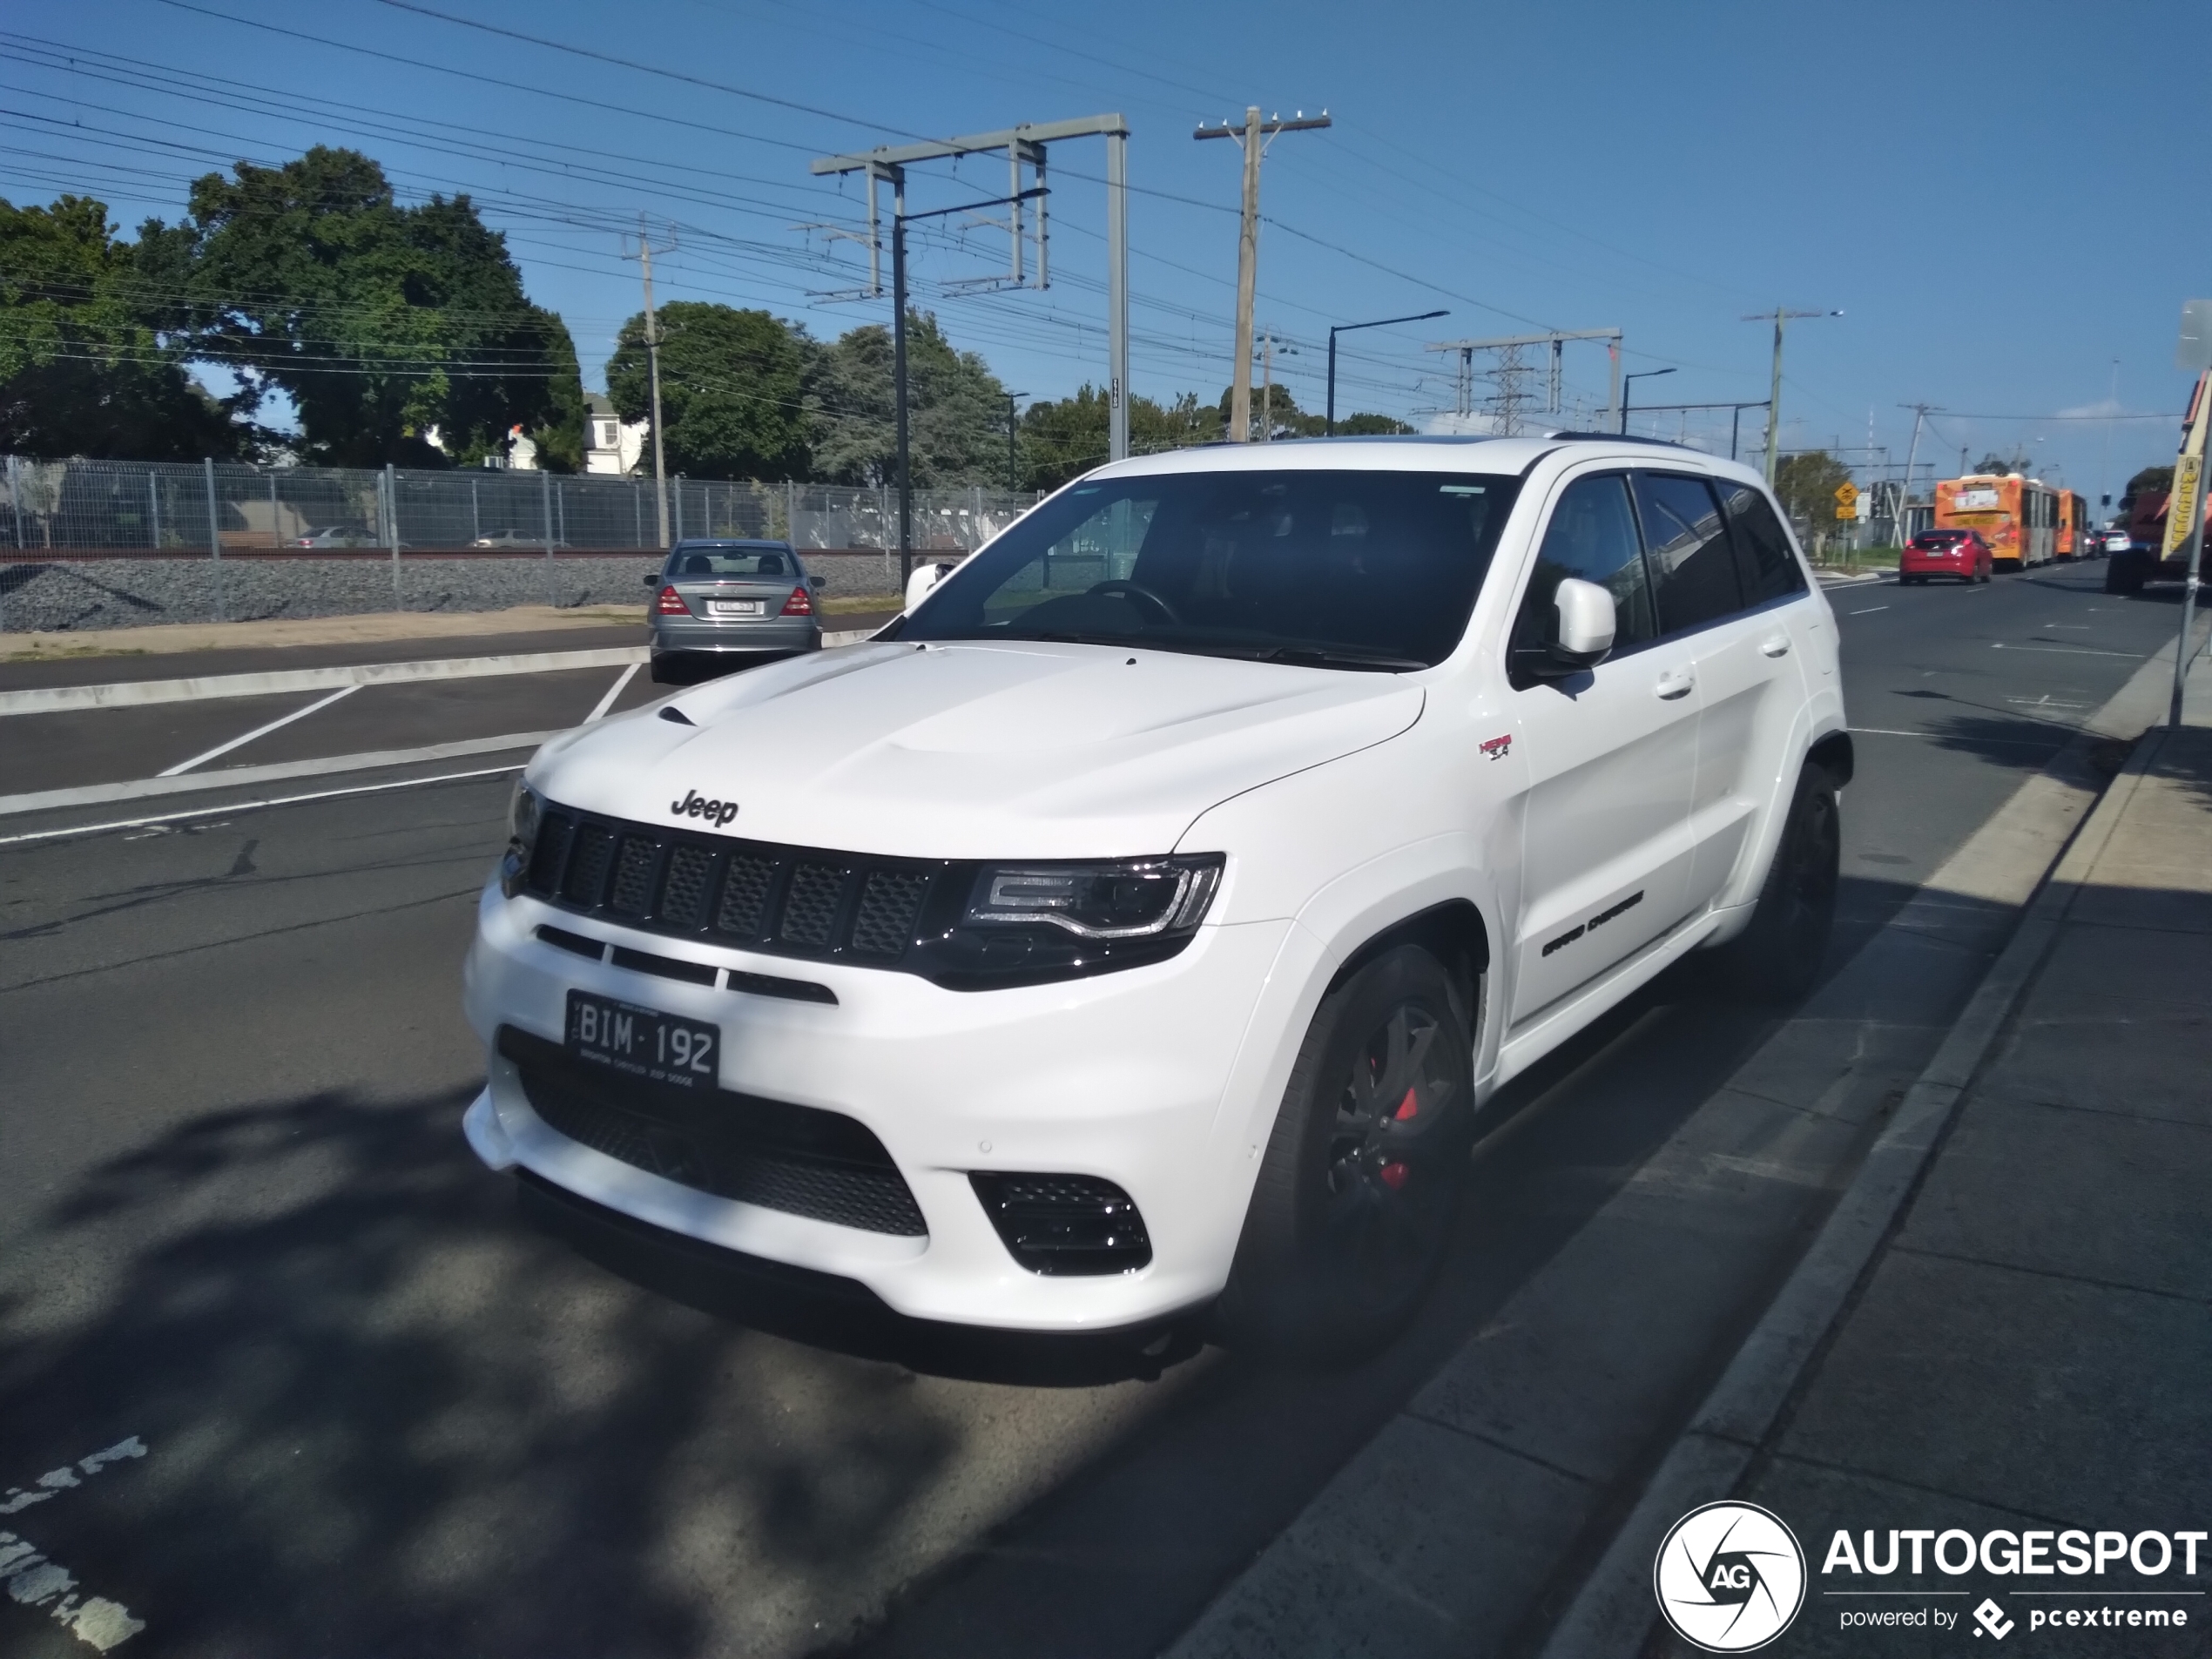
717	812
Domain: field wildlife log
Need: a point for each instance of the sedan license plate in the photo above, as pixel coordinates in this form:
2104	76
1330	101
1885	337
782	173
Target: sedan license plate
642	1043
737	607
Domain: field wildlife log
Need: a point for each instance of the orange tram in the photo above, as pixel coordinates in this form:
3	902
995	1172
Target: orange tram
2024	520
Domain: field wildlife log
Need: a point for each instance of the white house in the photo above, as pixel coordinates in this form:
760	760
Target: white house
610	443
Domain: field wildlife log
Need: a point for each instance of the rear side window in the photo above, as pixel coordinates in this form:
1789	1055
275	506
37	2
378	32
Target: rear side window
1770	570
1693	567
1592	535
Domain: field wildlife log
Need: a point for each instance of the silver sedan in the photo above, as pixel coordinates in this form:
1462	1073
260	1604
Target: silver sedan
726	604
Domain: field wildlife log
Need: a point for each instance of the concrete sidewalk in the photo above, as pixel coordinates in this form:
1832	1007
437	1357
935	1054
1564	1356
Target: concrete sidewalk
2031	1348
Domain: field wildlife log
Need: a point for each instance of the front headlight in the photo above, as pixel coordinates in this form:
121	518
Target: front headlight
524	811
1000	925
1124	899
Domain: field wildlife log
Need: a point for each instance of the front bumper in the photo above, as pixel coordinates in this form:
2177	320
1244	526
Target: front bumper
1140	1077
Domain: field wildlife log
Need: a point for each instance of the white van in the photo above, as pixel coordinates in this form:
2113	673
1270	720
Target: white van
1142	920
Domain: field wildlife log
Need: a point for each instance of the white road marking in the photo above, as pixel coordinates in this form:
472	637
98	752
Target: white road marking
2067	650
53	700
98	794
33	1580
1869	611
600	708
262	732
2044	702
248	806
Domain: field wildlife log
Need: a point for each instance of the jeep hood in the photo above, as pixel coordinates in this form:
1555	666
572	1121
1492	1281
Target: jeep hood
975	750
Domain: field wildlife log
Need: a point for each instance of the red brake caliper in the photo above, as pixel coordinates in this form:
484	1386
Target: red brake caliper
1394	1173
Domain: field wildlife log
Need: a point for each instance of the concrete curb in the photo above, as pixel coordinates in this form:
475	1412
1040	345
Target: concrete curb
55	699
1614	1608
234	777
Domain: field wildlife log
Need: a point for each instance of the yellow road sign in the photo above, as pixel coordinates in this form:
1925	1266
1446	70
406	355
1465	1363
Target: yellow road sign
1847	512
1847	497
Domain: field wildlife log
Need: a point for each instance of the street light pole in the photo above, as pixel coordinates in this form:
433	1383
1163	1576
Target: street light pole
1010	417
1347	327
1626	387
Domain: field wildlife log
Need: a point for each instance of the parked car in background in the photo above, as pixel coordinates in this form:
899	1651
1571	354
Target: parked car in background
1961	554
337	535
517	541
726	604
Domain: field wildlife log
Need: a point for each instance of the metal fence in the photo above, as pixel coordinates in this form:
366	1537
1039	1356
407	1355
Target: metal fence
125	509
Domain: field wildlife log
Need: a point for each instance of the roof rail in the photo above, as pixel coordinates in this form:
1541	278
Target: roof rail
1625	437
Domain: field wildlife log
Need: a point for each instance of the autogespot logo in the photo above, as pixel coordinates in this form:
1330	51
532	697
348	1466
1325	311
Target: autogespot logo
1729	1577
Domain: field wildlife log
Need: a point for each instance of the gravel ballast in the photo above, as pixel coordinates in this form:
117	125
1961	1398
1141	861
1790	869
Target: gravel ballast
74	594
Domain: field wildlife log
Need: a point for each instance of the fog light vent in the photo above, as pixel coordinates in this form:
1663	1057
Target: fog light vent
1065	1224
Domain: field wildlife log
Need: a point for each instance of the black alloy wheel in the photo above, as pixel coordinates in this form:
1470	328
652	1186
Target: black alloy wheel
1362	1175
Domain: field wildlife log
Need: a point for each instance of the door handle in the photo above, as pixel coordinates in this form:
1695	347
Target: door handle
1677	683
1776	646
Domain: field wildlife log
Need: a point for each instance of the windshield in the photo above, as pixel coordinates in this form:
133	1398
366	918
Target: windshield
1342	570
1938	538
731	561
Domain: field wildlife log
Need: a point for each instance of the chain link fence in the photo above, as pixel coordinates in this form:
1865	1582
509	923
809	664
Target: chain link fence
109	543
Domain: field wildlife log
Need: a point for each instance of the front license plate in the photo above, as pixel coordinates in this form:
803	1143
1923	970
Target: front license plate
642	1043
737	607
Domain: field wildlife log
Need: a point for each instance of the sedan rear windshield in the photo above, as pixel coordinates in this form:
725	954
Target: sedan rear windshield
1939	538
731	561
1375	570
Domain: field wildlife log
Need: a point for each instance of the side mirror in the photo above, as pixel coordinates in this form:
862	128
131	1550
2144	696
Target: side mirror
923	580
818	583
1584	636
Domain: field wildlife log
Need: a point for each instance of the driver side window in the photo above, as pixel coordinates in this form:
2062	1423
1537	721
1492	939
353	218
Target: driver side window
1592	535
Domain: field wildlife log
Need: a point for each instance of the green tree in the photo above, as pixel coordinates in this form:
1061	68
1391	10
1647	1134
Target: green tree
955	410
732	389
84	368
1993	462
1062	439
1806	484
378	321
2151	481
1372	426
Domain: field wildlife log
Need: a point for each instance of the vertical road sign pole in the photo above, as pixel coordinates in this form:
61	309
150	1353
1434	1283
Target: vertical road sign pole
391	531
545	522
214	534
1118	289
2189	475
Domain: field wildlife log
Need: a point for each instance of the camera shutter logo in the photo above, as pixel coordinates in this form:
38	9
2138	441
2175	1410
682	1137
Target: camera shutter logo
1729	1577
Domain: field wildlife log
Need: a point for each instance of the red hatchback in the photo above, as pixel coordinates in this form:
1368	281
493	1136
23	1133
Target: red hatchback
1962	554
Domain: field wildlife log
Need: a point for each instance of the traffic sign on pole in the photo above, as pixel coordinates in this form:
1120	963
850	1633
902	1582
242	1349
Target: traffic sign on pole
1847	501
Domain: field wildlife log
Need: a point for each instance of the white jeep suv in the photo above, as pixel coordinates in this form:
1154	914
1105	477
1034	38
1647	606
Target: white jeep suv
1143	921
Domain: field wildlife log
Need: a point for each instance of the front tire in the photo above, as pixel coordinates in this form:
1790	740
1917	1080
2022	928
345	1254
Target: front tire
1777	959
1362	1173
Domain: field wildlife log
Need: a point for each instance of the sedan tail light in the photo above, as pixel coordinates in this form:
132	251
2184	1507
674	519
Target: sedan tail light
670	603
801	604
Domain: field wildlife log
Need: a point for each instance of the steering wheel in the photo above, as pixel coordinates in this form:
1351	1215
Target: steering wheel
1142	596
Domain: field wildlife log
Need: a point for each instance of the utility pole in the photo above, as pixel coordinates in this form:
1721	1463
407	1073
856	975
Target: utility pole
1011	419
1920	412
645	256
1779	316
1250	135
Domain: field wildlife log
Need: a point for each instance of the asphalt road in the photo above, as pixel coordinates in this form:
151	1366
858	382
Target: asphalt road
389	1408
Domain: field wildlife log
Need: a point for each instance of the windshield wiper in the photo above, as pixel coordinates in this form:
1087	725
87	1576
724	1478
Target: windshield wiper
1323	657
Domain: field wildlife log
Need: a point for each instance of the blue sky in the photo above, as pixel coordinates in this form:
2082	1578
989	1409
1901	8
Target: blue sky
1987	197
